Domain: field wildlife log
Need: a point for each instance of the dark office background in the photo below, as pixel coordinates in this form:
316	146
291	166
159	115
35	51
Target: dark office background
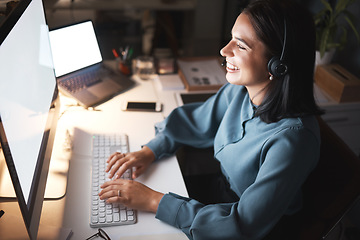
201	31
349	57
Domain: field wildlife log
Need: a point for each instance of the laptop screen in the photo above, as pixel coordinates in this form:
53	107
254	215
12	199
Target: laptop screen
74	47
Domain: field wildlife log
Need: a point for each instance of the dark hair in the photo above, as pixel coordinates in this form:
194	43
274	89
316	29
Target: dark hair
291	95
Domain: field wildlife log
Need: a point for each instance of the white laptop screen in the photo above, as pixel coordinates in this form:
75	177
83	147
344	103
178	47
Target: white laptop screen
74	47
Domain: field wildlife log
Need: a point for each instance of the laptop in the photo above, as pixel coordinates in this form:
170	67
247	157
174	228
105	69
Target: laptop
79	67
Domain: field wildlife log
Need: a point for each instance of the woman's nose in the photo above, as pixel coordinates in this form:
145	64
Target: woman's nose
225	51
222	52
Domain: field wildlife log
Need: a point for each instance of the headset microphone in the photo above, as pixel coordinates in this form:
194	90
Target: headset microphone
223	64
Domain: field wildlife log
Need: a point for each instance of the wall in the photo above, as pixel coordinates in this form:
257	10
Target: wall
206	28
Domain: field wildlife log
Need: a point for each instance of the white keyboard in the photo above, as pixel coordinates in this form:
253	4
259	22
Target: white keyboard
103	214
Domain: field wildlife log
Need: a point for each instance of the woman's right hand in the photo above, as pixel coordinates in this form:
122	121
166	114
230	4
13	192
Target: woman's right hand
118	163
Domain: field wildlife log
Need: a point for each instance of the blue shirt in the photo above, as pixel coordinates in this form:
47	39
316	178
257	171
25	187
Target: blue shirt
265	165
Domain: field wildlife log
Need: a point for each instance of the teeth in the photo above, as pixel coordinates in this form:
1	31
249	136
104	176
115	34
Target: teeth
232	67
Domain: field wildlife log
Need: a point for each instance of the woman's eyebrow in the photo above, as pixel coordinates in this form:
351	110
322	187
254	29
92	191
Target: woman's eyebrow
241	40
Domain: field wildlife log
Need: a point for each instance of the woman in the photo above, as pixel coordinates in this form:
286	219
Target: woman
262	125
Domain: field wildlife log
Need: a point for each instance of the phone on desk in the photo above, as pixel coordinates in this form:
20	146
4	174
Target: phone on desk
141	106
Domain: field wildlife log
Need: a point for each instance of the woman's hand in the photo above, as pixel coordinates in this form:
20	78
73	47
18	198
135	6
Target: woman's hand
131	194
118	163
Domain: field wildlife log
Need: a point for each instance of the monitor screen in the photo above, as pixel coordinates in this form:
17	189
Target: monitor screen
28	105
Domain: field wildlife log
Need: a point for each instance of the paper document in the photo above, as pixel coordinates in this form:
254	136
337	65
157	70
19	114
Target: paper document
202	73
171	82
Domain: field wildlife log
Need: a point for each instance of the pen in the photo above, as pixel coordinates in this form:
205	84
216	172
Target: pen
124	52
116	55
130	53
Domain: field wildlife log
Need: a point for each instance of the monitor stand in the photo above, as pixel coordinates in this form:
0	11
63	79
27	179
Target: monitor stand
12	226
57	177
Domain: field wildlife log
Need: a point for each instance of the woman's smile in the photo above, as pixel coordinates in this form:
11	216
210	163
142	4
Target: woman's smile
231	68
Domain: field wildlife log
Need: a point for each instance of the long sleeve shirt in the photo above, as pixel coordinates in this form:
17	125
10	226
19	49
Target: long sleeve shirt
264	163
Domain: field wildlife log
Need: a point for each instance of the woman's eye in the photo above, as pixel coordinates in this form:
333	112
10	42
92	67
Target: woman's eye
240	46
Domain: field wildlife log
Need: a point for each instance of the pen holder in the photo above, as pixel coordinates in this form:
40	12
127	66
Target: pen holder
125	66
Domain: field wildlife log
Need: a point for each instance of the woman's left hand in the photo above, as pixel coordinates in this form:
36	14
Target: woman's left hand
131	194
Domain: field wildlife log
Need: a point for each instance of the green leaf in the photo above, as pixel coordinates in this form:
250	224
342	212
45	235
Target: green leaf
327	5
320	16
324	41
350	22
341	6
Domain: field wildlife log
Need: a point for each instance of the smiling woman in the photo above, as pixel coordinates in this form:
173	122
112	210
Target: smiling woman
262	127
246	59
261	35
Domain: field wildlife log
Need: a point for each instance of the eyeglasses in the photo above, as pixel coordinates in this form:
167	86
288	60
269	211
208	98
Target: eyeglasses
101	233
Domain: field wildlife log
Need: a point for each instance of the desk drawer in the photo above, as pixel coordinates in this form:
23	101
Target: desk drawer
342	115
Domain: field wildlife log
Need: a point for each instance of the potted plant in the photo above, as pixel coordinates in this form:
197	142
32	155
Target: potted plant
330	24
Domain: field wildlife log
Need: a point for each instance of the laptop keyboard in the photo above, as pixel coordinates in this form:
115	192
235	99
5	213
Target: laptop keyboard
80	81
103	214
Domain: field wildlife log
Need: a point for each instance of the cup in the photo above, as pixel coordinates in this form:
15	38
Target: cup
144	67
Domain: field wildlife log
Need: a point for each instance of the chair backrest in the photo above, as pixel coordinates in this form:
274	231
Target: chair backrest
331	189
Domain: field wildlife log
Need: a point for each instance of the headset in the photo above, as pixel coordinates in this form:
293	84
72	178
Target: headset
276	65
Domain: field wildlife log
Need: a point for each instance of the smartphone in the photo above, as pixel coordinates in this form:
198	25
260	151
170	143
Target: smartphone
142	106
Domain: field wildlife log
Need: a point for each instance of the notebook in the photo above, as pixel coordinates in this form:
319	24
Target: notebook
79	66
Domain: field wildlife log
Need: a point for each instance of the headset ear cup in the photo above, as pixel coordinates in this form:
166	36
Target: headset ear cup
273	62
276	67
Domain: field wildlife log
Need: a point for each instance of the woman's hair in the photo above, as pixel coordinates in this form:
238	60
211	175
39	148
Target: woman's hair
290	95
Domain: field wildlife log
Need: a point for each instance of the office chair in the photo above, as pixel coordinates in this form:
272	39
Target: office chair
328	194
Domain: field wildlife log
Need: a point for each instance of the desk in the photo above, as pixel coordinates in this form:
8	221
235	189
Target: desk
73	210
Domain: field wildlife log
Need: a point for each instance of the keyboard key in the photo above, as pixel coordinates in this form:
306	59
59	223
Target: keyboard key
94	219
116	217
123	215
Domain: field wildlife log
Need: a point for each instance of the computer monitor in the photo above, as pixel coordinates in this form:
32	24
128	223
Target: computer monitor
29	106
